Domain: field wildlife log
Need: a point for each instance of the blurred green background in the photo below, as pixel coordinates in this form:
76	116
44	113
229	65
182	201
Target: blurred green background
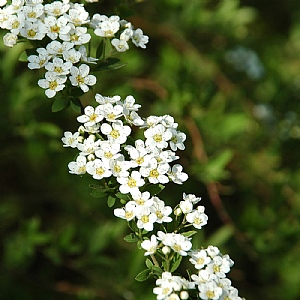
229	72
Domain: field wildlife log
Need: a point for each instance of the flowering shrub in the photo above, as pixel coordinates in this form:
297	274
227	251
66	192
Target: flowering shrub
131	173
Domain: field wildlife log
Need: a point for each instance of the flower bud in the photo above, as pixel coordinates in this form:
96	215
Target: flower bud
177	211
165	250
91	157
184	295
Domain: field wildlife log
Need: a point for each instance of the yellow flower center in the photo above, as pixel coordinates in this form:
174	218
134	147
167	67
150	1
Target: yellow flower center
15	24
177	248
157	138
117	169
58	69
154	173
80	79
131	183
108	155
145	219
139	160
115	133
100	171
31	33
32	14
128	214
53	85
210	294
216	268
55	29
159	214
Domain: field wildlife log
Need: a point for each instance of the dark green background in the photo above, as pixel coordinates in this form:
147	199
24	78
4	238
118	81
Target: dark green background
243	145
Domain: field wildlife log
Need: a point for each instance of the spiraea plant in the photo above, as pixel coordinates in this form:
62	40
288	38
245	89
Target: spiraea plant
129	173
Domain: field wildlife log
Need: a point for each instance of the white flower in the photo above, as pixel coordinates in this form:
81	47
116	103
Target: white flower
98	169
199	258
157	136
176	174
130	105
56	8
142	199
146	218
197	217
220	265
139	39
210	291
107	150
33	31
212	251
120	45
155	172
76	35
130	184
112	112
89	146
116	132
58	66
38	61
162	212
80	77
32	13
10	39
72	55
177	242
91	116
138	154
119	166
77	14
177	140
150	245
78	167
70	139
128	212
186	206
104	100
107	28
56	48
55	27
52	84
192	198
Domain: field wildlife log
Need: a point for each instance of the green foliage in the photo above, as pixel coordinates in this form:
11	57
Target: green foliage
243	140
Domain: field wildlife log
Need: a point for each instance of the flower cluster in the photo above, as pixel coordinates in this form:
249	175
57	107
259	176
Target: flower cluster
130	168
64	28
105	152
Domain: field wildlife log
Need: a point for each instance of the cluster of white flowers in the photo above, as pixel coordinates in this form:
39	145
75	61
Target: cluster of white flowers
105	151
211	280
65	25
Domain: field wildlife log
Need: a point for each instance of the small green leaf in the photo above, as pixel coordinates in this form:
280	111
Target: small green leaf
111	201
122	196
60	104
142	276
157	270
131	238
98	194
76	105
189	233
149	263
132	225
110	63
155	189
99	50
176	264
